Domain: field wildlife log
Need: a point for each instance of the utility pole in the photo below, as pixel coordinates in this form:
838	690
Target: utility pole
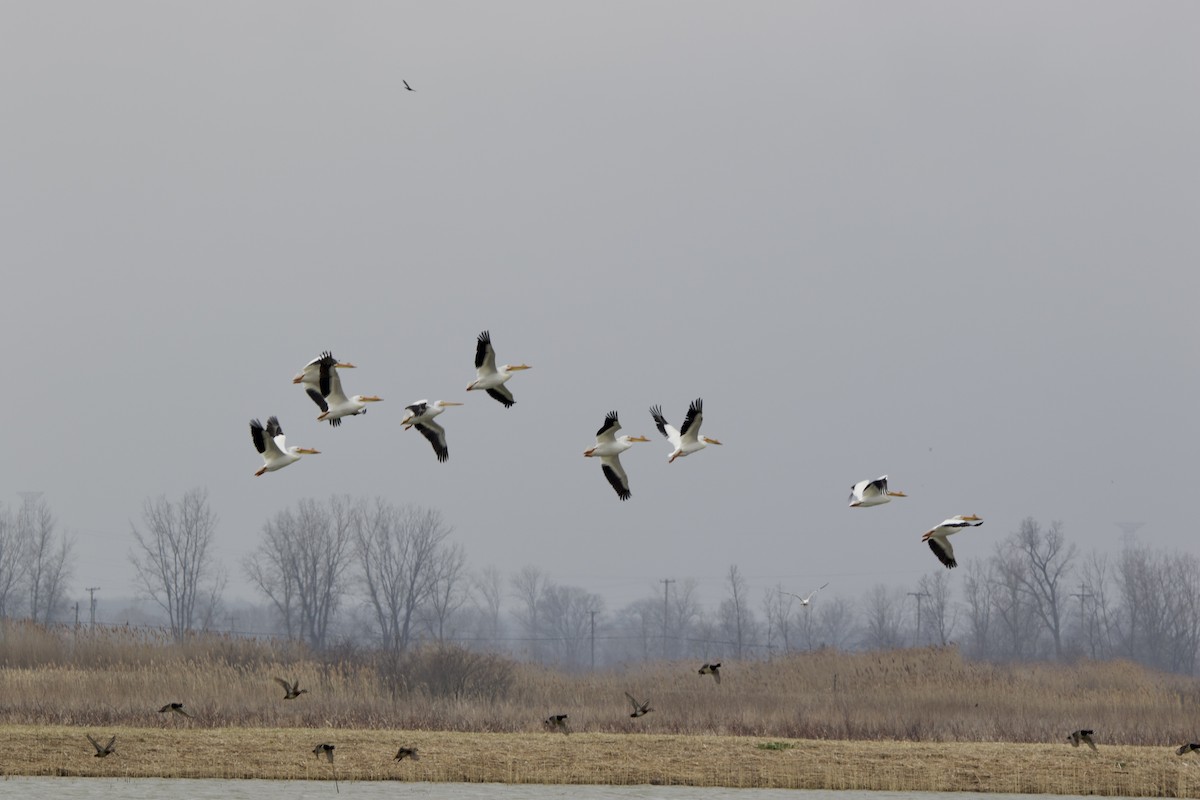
593	613
918	595
666	582
91	590
76	615
1084	594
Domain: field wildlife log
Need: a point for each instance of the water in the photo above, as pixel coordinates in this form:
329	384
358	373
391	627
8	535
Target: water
157	788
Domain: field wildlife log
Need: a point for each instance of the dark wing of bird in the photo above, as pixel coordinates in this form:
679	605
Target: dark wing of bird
616	476
659	420
287	687
502	394
273	427
611	424
326	381
483	351
695	415
1087	737
944	552
436	435
257	435
716	672
875	488
317	398
100	750
417	409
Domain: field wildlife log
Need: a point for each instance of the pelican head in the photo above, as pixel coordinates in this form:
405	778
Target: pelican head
707	440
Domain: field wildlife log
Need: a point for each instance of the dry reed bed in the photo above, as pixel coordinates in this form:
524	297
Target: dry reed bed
602	758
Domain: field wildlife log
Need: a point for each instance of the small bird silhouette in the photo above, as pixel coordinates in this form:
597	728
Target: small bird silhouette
326	749
712	669
407	752
107	750
1084	736
293	689
557	722
639	709
1190	747
406	86
176	707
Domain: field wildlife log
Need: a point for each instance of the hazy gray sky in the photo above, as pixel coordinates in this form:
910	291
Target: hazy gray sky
952	242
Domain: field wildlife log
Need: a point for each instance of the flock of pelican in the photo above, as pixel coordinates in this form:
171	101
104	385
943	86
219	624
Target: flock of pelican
323	384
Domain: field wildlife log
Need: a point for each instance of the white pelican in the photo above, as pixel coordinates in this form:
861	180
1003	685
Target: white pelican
872	493
688	440
940	544
339	405
487	377
272	444
421	414
310	376
608	448
804	601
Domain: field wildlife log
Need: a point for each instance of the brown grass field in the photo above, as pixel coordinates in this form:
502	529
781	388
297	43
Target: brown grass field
906	720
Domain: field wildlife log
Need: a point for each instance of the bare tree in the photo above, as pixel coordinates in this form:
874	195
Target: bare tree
884	616
566	616
1048	564
174	561
12	565
939	614
399	552
777	608
529	587
977	591
48	561
736	619
301	566
834	625
488	597
1017	633
684	609
448	592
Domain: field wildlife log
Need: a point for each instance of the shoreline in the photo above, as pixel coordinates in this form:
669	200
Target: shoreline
602	759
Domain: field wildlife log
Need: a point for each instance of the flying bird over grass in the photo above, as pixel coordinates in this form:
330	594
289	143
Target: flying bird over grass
712	669
292	690
176	708
557	722
107	750
324	749
487	377
272	446
865	494
420	414
1084	736
639	709
938	539
1190	747
608	449
407	752
686	440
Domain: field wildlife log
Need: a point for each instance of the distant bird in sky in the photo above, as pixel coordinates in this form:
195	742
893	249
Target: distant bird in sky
406	86
420	414
872	493
293	689
940	544
686	440
310	378
272	446
712	669
608	449
337	404
107	750
176	708
806	599
1190	747
557	722
639	709
487	377
1084	736
407	752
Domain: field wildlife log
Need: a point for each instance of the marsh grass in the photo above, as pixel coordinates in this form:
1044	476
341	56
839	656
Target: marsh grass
899	721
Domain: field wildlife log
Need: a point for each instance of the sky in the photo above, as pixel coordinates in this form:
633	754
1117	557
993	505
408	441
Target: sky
953	243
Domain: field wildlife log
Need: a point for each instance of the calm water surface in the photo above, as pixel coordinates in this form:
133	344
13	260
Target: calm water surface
183	789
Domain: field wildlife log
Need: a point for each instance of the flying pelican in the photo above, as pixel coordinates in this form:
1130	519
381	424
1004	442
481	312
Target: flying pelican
293	689
310	377
712	669
804	601
557	722
608	448
272	444
421	414
872	493
107	750
338	404
407	752
688	440
639	709
176	708
1084	736
487	377
940	544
